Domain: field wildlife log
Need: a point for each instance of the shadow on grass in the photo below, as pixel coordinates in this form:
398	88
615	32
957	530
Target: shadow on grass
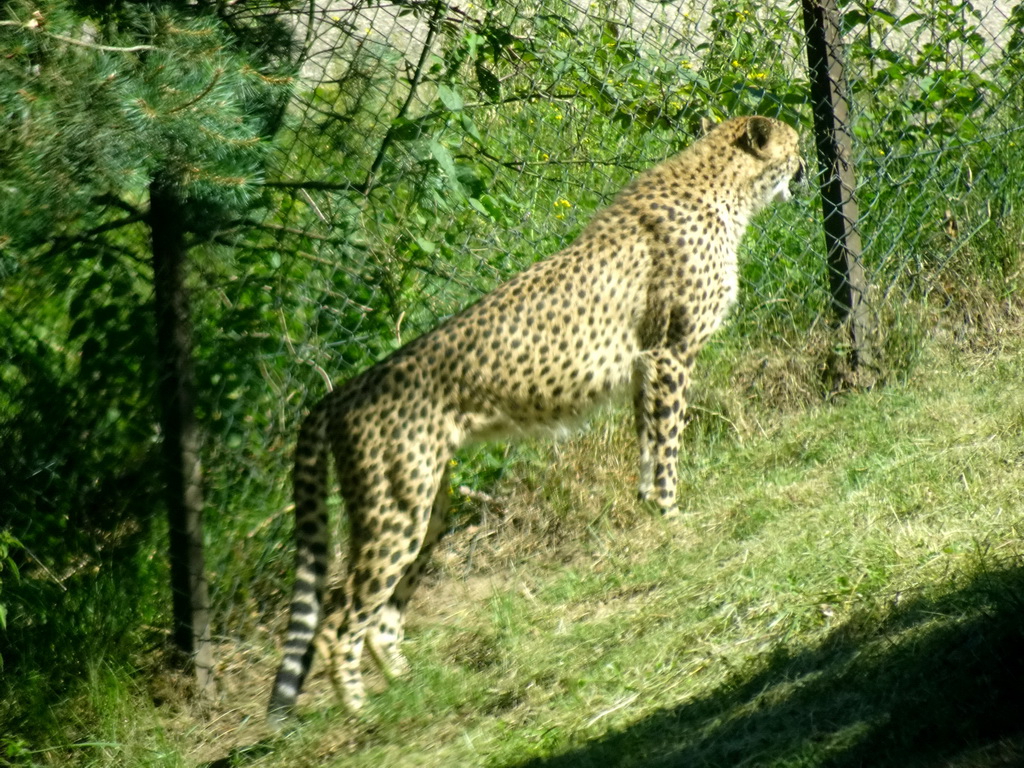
936	681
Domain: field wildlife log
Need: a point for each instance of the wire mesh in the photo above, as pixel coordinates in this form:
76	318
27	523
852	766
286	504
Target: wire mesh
433	149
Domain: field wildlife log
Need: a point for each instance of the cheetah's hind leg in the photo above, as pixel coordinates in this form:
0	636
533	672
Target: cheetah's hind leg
385	638
378	563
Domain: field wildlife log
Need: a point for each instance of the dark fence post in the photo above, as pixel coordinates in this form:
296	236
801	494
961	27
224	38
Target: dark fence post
190	599
834	141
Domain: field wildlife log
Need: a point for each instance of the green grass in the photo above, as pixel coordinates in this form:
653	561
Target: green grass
846	589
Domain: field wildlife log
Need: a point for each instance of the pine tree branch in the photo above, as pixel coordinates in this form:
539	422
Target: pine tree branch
201	95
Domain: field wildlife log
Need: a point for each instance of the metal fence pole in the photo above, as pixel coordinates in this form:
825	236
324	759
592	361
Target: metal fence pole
834	141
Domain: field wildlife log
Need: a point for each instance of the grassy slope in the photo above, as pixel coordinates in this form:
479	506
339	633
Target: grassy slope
846	590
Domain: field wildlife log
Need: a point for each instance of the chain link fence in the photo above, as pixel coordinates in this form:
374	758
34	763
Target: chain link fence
428	151
434	149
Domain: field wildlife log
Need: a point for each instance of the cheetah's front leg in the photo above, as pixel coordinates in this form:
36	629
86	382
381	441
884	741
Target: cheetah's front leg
661	380
641	369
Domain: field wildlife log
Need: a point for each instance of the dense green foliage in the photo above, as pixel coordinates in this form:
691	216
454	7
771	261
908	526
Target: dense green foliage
96	106
939	144
352	181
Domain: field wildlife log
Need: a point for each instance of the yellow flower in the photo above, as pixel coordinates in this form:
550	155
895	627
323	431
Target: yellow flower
544	156
562	203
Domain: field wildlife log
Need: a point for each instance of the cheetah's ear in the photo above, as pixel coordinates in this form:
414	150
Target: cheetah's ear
759	132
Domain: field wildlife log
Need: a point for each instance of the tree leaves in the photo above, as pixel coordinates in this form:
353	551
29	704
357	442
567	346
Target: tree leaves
449	97
447	164
488	81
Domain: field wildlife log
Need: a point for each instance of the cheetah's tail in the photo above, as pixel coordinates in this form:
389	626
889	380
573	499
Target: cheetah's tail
311	537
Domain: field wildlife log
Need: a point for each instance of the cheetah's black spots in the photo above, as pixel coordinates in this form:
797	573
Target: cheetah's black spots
628	304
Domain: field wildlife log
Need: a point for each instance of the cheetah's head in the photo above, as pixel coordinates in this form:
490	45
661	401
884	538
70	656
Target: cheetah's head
776	147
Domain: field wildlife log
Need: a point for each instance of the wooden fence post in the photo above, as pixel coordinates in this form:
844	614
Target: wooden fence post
834	142
181	436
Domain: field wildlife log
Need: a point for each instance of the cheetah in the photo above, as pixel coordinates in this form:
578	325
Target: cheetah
626	305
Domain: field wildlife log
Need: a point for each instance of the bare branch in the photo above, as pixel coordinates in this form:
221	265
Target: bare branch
37	22
414	84
331	186
64	243
98	47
